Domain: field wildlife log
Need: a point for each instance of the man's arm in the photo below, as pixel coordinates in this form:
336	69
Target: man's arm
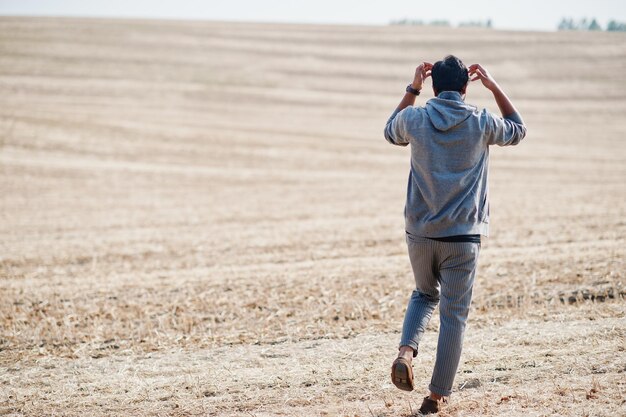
393	132
513	130
504	103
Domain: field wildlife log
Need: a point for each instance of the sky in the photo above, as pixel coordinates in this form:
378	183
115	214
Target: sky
517	15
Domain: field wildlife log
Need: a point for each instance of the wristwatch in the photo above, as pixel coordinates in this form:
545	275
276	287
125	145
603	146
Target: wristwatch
412	90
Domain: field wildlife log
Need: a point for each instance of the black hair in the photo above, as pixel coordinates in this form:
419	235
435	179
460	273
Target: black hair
449	74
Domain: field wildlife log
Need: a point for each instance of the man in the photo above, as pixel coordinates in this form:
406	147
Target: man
447	208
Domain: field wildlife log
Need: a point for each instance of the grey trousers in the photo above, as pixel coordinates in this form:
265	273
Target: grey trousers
444	274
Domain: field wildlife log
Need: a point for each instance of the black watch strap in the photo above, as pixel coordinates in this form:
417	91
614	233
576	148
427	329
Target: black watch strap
412	90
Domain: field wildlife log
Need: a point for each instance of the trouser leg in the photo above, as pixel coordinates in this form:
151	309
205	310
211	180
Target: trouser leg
425	297
418	314
457	273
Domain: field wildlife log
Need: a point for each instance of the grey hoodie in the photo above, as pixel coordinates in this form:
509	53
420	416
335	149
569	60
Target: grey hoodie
447	193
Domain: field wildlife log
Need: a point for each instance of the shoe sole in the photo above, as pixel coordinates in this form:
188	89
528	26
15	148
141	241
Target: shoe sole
402	376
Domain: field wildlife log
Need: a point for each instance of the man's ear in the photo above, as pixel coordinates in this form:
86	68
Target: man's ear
464	89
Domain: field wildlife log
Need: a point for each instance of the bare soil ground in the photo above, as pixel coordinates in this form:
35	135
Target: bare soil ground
204	219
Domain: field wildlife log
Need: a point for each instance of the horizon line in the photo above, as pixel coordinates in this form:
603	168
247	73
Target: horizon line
452	25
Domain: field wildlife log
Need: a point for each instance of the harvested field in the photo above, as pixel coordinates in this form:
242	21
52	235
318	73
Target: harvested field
203	218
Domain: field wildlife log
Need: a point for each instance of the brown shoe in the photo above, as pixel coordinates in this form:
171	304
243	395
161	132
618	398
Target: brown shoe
430	406
402	374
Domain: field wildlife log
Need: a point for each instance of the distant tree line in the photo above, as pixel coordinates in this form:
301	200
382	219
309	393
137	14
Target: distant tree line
471	23
591	25
567	23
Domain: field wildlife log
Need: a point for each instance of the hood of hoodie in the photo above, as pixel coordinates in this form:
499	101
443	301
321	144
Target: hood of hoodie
448	110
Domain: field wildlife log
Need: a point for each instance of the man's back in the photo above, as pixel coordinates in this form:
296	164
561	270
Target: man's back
447	192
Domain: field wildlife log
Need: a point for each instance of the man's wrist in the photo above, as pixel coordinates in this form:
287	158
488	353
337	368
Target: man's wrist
496	88
417	87
411	89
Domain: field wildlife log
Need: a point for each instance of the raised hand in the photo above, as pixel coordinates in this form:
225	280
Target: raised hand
504	103
479	73
421	73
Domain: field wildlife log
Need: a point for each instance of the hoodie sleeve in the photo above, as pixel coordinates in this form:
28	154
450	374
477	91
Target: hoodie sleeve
395	130
506	131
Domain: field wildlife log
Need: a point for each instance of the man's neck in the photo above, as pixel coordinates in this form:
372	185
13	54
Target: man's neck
451	95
